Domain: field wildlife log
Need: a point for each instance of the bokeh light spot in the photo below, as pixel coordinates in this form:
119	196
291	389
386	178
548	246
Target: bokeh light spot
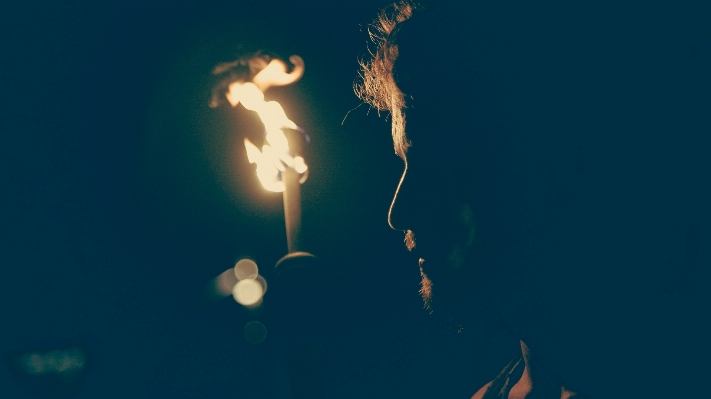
262	282
255	332
246	269
56	361
224	283
248	292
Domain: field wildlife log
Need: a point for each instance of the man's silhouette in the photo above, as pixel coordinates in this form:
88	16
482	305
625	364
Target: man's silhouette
512	219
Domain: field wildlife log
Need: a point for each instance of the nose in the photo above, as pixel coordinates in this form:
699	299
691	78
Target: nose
397	212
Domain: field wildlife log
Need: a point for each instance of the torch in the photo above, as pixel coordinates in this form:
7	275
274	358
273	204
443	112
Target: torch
280	167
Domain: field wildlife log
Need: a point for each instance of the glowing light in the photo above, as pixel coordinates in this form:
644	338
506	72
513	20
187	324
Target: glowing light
275	157
253	153
277	140
262	282
247	93
300	165
255	332
246	269
223	284
248	292
273	116
274	74
271	156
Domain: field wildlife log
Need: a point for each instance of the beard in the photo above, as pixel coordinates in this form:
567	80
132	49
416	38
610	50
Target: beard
449	303
425	288
448	256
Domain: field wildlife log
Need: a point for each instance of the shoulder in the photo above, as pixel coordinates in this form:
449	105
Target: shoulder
480	393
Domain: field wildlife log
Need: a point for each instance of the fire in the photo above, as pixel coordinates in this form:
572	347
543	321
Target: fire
275	74
275	156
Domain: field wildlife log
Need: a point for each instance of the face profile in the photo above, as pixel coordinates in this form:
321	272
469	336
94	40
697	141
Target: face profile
437	220
456	202
450	188
552	156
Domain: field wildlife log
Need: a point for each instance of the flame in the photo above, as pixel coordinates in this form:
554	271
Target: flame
248	93
274	74
273	116
300	165
275	157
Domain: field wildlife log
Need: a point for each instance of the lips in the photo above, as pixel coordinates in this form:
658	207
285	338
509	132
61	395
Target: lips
411	244
446	251
425	246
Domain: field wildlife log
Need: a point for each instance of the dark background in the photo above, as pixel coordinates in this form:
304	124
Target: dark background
123	194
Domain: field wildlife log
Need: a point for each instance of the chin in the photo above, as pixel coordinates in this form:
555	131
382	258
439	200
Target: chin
438	300
425	288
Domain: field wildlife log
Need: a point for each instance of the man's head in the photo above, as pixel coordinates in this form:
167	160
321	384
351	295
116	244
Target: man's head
419	73
568	140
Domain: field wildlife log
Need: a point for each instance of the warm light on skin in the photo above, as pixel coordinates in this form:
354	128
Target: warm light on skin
248	292
274	157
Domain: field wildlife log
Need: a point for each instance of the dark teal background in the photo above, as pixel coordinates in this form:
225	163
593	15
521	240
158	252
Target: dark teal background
122	193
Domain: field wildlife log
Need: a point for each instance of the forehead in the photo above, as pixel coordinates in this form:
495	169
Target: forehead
435	76
437	114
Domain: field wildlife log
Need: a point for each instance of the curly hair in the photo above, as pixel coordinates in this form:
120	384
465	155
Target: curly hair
376	83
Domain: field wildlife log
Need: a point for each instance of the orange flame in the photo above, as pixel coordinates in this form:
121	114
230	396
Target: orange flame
274	157
274	74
